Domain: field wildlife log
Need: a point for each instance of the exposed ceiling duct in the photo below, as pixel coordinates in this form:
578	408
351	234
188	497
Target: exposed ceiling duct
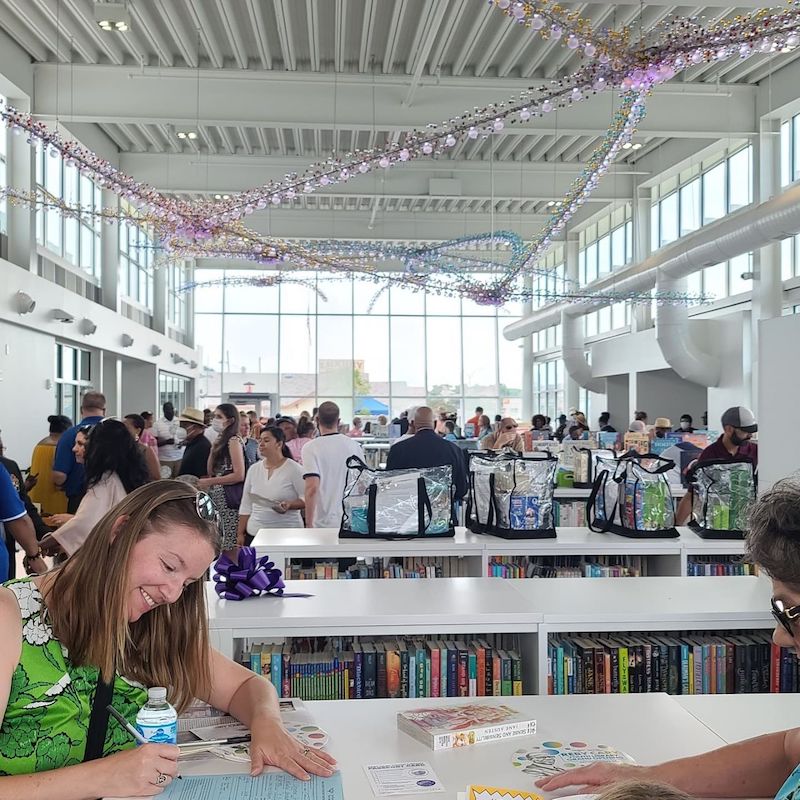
573	353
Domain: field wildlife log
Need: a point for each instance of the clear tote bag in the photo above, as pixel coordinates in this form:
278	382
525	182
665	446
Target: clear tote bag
722	493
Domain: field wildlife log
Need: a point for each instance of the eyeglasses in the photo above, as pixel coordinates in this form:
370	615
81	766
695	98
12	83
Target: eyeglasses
510	427
786	616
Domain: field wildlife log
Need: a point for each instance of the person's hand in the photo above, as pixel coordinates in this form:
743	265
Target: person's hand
144	771
271	745
204	483
593	777
34	565
50	546
57	520
281	507
31	481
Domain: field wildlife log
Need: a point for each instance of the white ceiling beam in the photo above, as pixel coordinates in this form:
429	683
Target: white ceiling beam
245	140
262	138
312	19
340	35
285	35
367	30
182	35
514	54
482	17
205	33
36	20
179	173
114	134
134	136
233	32
226	139
83	13
148	132
234	97
210	143
169	137
395	26
143	19
260	33
22	34
430	22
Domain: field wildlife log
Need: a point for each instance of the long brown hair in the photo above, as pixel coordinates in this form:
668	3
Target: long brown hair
220	447
86	600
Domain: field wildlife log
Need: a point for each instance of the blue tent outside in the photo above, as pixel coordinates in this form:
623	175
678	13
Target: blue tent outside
369	406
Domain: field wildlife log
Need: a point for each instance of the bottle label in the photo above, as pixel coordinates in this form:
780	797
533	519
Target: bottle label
162	733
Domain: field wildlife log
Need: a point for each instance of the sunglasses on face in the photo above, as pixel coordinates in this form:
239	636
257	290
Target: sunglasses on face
205	508
510	427
786	616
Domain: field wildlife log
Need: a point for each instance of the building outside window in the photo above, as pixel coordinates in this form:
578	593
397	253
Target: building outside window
315	340
172	389
76	241
73	371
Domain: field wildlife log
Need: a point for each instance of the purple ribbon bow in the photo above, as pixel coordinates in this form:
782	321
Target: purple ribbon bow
250	577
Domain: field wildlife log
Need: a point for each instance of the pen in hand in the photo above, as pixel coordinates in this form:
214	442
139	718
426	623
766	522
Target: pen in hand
128	727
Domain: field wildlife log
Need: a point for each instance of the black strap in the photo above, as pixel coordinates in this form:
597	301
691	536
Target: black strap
372	502
98	720
423	506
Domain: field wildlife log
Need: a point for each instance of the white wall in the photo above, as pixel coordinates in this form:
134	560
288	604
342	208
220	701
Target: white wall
139	388
663	393
778	396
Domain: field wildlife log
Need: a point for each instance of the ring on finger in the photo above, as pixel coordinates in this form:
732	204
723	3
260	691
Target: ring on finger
306	751
161	779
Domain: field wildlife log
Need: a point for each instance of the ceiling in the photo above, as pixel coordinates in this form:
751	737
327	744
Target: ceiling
272	85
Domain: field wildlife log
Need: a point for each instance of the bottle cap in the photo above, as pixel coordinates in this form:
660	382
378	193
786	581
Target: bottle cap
157	693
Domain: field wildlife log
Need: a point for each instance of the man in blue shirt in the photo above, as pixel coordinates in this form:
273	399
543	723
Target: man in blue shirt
19	525
67	472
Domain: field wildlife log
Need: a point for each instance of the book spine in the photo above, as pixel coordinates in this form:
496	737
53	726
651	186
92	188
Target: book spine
359	677
624	678
516	674
436	670
463	673
452	671
472	672
381	689
492	733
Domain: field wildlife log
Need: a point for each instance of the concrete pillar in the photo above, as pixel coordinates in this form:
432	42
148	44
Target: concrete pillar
159	322
189	306
641	314
21	166
767	297
571	390
109	246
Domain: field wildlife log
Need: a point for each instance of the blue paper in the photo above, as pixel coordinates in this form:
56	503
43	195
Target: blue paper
269	786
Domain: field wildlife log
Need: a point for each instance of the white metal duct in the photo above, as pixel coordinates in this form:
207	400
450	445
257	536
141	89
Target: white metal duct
572	350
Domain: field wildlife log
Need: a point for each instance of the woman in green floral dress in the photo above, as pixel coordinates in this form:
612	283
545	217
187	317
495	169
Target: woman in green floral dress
129	604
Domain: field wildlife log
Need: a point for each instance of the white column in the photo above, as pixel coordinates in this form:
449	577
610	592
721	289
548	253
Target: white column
21	173
109	245
571	390
527	360
159	322
641	314
767	297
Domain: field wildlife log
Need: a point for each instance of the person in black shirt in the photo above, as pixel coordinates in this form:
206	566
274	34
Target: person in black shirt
196	445
604	420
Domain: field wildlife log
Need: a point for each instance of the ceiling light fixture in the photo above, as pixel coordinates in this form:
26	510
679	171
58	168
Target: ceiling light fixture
637	146
187	135
111	16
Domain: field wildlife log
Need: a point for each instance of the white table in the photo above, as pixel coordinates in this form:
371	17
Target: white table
734	717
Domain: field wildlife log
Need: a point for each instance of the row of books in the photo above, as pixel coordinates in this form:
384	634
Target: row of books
341	669
685	664
567	567
719	565
381	567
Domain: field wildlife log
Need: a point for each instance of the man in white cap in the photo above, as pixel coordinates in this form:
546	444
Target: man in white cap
738	425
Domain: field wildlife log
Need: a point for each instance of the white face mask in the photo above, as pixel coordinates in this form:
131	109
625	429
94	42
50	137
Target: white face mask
684	425
218	425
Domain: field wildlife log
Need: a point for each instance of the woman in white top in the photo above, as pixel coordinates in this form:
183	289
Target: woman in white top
114	467
273	489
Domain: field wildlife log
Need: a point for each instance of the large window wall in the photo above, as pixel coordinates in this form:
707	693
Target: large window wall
172	389
73	370
698	196
315	340
75	240
548	394
3	173
178	276
136	259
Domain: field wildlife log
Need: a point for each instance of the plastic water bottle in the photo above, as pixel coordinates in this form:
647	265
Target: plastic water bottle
157	720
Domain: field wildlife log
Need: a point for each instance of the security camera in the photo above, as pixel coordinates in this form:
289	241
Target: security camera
747	276
155	350
62	316
24	303
87	327
127	341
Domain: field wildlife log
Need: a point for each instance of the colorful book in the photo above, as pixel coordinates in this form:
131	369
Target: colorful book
446	727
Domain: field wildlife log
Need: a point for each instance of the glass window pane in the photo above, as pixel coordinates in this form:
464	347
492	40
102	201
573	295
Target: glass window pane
604	255
618	316
364	293
714	281
591	324
370	356
207	298
786	153
439	304
71	240
740	179
591	262
407	361
604	320
655	233
618	247
444	356
406	301
53	222
739	265
690	207
251	349
336	296
669	219
249	298
714	204
787	265
298	362
334	356
480	356
299	298
87	249
53	174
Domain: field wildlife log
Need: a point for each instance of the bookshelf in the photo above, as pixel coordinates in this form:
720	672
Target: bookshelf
465	608
470	555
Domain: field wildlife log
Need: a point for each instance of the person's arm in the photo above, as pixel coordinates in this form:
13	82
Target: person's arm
684	511
63	460
126	774
162	436
24	534
253	701
153	466
311	492
241	529
95	503
237	461
753	768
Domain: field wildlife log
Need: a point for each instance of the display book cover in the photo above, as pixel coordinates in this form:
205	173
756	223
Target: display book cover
446	727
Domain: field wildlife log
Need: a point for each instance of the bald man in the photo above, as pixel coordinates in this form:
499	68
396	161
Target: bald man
427	449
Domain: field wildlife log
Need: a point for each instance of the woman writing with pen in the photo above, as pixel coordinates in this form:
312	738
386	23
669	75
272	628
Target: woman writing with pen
127	611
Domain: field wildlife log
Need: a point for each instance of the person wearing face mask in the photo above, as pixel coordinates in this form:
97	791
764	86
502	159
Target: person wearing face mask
662	427
738	425
686	424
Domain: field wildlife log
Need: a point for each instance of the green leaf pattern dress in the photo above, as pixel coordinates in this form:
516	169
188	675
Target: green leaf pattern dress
47	718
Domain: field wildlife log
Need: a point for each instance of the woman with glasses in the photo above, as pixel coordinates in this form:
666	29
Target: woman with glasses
127	611
767	766
114	466
505	438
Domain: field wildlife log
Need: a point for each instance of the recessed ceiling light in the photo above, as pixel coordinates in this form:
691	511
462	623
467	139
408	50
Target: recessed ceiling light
181	135
551	203
186	134
218	197
627	146
112	16
192	135
637	146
